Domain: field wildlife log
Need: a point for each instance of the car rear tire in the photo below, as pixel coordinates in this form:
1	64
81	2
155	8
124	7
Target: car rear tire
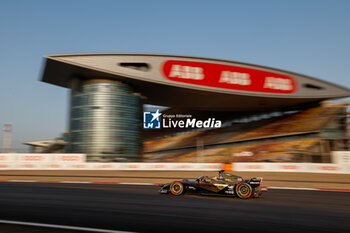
244	190
176	188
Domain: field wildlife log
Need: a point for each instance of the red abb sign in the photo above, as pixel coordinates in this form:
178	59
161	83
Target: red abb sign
228	77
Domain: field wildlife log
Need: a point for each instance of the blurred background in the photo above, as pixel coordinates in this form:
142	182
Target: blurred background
310	38
54	165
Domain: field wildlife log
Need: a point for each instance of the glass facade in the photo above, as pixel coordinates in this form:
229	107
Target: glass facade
104	122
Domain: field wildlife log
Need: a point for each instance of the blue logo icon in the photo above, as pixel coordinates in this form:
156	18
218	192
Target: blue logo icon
151	120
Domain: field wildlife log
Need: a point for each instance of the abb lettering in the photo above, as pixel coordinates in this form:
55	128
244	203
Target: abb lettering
106	166
185	166
70	158
254	167
328	168
33	158
278	83
27	166
228	77
290	167
235	78
186	72
212	167
79	166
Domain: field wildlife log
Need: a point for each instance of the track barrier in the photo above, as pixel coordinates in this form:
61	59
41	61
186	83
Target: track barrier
32	161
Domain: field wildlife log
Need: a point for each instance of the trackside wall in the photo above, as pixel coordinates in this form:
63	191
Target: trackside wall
14	161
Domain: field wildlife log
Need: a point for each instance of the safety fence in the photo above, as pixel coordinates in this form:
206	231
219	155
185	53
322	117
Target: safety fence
14	161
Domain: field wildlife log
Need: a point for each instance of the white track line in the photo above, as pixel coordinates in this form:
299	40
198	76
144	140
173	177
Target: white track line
76	182
61	226
27	181
129	183
292	188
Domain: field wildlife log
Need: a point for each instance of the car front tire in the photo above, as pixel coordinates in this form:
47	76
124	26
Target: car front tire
244	190
176	188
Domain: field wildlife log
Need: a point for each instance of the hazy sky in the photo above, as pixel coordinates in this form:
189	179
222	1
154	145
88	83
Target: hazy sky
310	37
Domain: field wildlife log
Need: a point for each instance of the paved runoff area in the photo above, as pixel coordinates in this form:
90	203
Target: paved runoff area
271	179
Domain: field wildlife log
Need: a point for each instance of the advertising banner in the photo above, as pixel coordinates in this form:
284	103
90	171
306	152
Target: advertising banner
69	158
340	157
293	167
228	77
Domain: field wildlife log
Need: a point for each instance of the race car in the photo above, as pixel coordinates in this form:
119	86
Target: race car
225	184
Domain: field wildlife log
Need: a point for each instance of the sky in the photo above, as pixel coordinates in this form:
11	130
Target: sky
309	37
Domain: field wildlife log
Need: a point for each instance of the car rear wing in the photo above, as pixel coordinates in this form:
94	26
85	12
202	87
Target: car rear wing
255	181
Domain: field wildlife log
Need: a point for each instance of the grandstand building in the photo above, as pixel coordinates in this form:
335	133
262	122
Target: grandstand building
267	114
305	136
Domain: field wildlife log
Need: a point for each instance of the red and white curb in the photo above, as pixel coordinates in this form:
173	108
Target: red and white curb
150	184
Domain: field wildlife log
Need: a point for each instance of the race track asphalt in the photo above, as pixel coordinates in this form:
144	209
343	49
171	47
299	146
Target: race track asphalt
139	208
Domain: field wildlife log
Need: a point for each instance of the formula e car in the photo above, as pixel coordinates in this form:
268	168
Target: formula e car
225	184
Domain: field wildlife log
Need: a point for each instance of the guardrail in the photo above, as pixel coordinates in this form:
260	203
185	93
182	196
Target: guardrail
37	161
41	158
113	166
31	161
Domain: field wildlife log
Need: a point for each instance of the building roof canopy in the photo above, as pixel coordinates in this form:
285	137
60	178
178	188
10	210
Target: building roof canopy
194	82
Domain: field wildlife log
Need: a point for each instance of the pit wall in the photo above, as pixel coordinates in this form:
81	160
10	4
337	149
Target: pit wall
14	161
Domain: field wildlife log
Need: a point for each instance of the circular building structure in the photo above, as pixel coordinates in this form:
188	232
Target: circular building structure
103	119
108	91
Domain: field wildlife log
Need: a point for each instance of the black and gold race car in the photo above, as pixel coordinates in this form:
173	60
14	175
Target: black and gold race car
225	184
